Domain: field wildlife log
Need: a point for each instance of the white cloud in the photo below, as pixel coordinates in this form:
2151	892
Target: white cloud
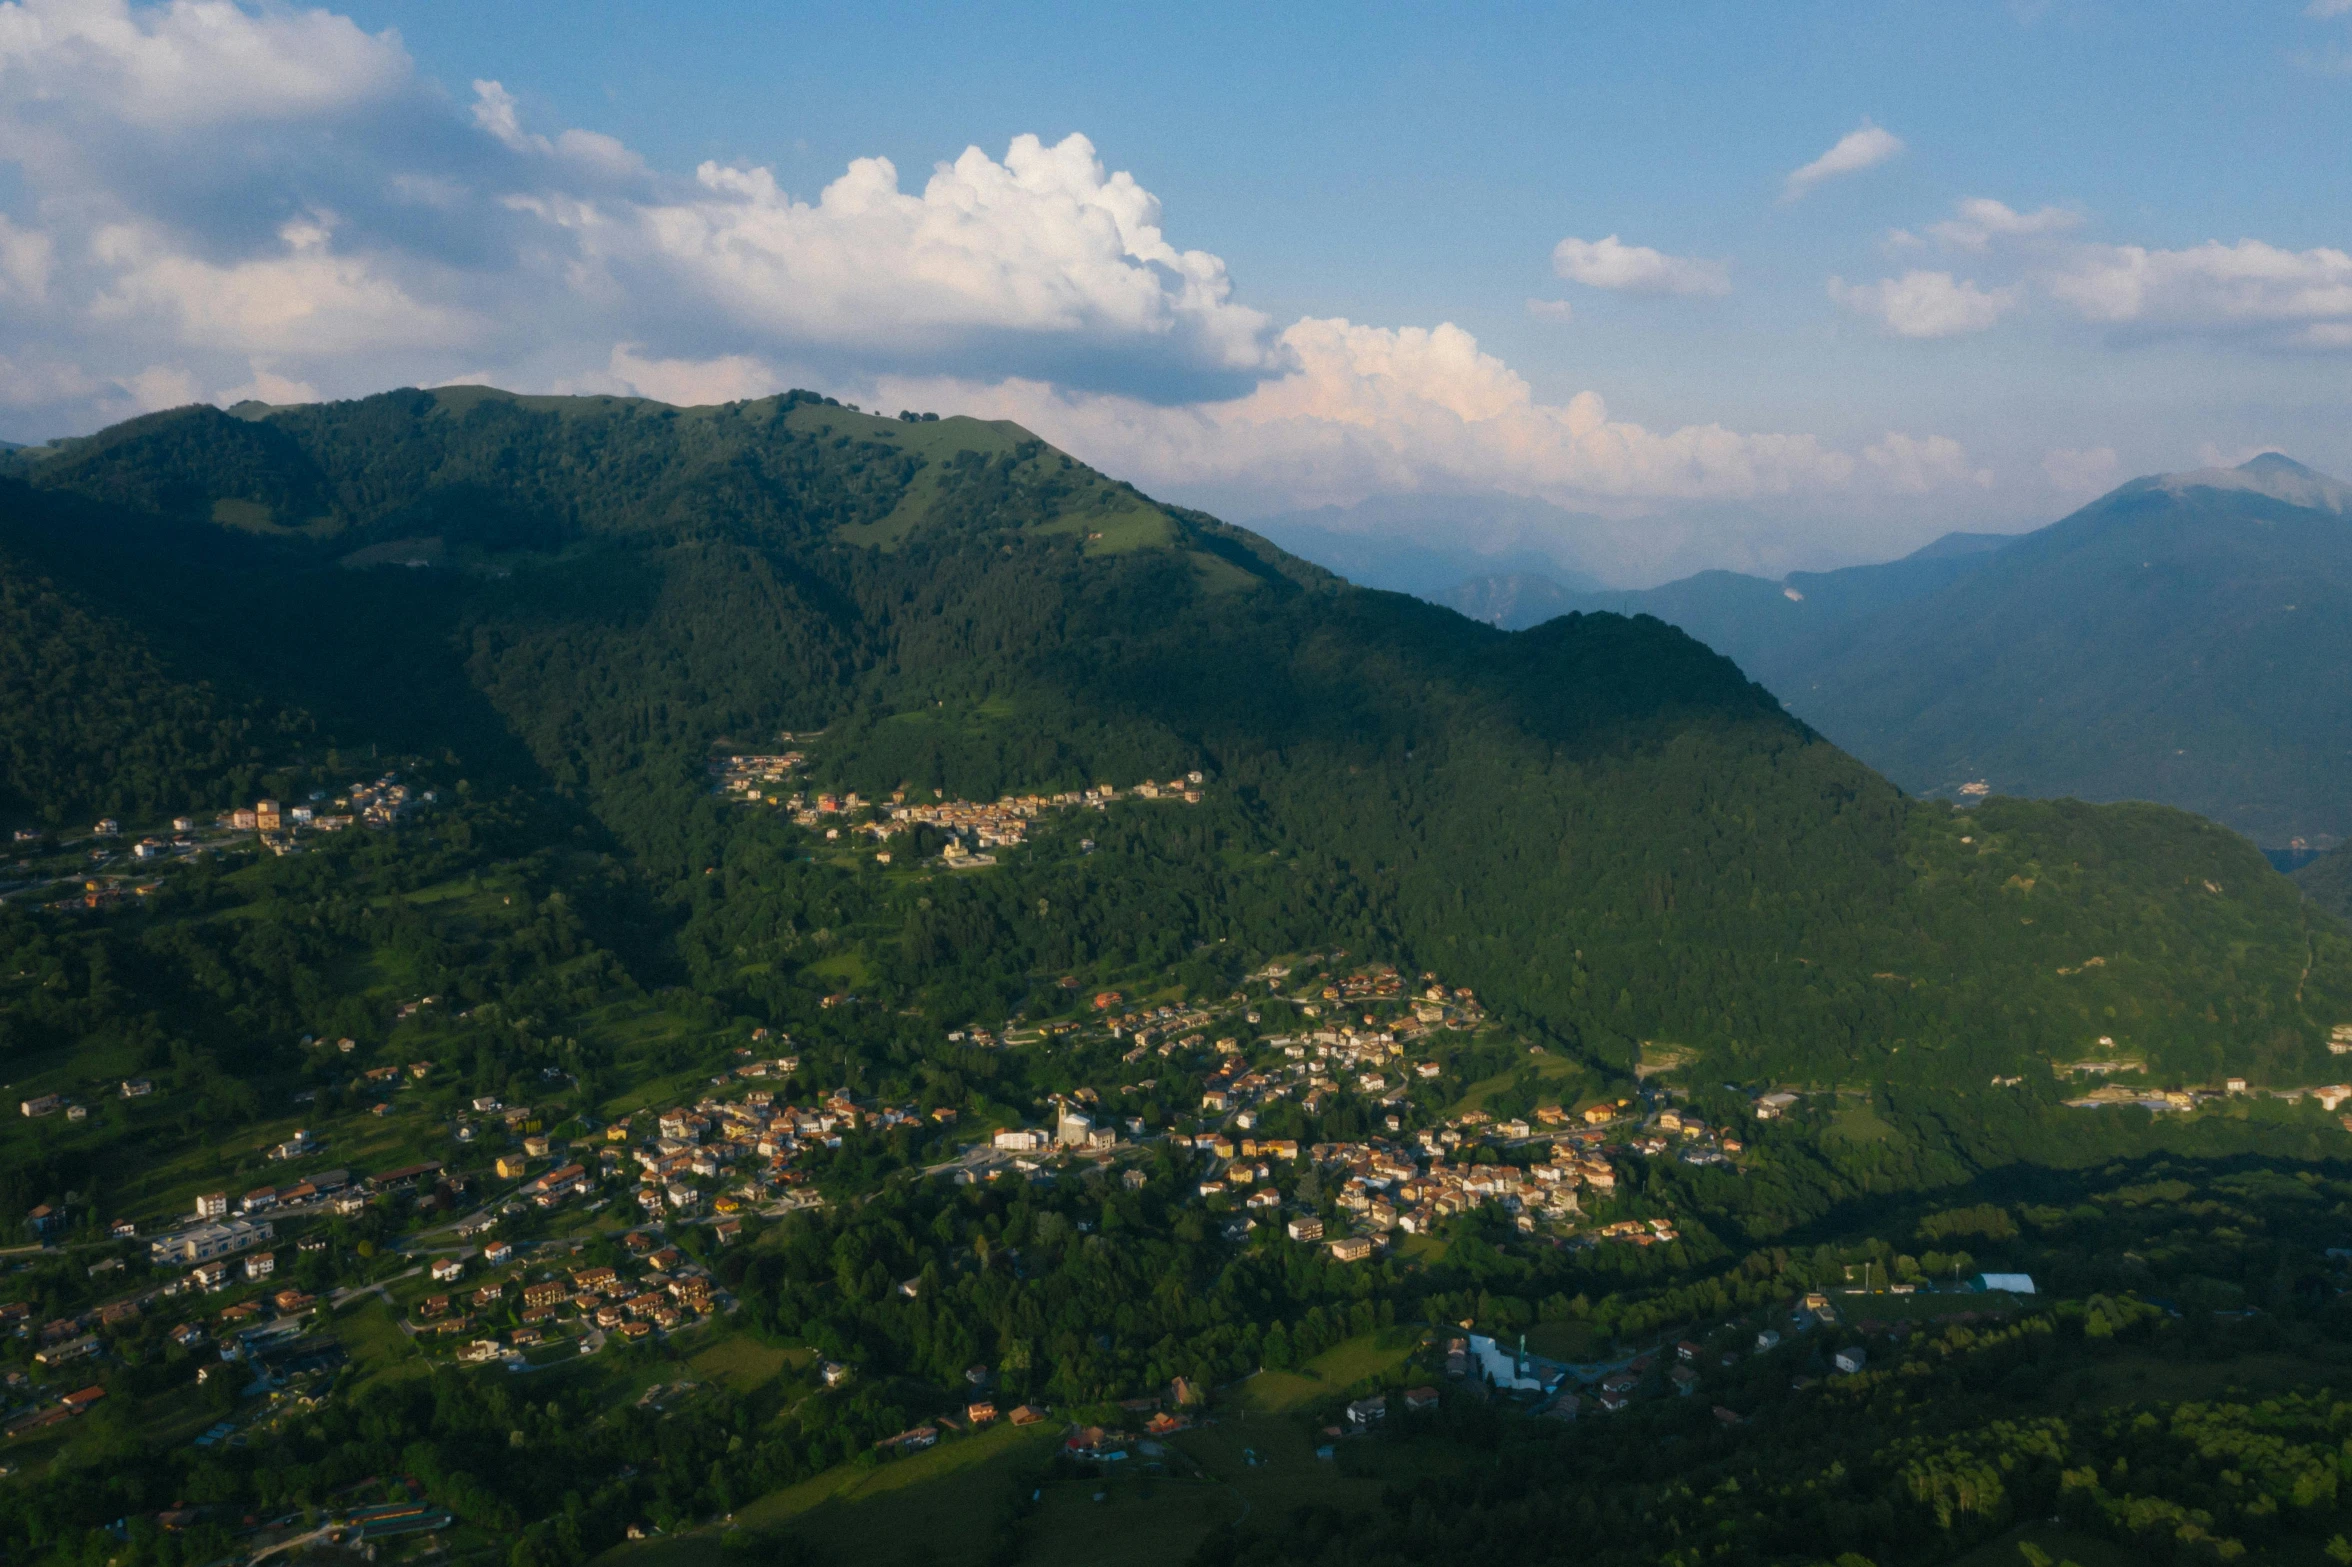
1636	269
34	385
1983	220
2300	298
161	386
306	299
730	378
1924	304
1859	149
2085	471
1043	248
2323	9
267	386
1372	409
1914	465
495	111
193	63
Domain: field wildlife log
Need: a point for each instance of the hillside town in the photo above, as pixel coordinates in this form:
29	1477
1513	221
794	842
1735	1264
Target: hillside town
973	828
108	865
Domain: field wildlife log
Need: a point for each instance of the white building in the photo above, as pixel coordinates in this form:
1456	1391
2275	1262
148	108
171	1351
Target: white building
204	1242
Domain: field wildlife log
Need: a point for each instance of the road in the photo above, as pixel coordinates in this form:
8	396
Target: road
344	1297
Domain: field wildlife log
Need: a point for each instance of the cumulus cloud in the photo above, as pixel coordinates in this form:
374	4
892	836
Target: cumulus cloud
2081	471
191	64
164	147
1983	220
305	299
1369	409
1043	259
2294	298
1862	148
730	378
1924	304
1636	269
267	386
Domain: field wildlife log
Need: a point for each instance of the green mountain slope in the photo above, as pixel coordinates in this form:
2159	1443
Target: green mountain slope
2179	640
98	720
1601	825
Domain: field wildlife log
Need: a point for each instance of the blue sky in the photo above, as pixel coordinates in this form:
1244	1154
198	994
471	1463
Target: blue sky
1710	371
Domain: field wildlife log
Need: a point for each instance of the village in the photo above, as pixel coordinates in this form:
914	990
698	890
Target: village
108	864
973	828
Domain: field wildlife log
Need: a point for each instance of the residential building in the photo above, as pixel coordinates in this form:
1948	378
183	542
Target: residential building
202	1243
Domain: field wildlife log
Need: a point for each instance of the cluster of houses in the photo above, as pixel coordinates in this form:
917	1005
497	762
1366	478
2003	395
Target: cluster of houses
751	1141
748	777
661	1290
975	826
379	804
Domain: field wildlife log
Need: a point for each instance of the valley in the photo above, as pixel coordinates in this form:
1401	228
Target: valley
824	987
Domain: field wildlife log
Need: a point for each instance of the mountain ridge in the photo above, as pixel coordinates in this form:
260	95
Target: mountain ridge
960	607
2137	648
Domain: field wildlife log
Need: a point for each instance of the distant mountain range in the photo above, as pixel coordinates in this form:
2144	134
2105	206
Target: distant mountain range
1378	543
2183	639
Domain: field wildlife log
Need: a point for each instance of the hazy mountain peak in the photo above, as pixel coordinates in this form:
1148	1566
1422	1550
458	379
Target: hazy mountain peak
2272	474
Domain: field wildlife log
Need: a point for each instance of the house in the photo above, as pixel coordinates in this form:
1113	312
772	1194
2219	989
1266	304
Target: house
407	1175
1364	1411
447	1268
261	1265
510	1167
71	1349
1306	1227
136	1088
912	1441
498	1252
1020	1140
1767	1341
210	1276
44	1221
1420	1399
728	1231
549	1293
46	1104
1852	1360
1351	1248
981	1413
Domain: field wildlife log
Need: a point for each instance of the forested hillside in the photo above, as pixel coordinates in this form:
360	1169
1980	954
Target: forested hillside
1599	824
